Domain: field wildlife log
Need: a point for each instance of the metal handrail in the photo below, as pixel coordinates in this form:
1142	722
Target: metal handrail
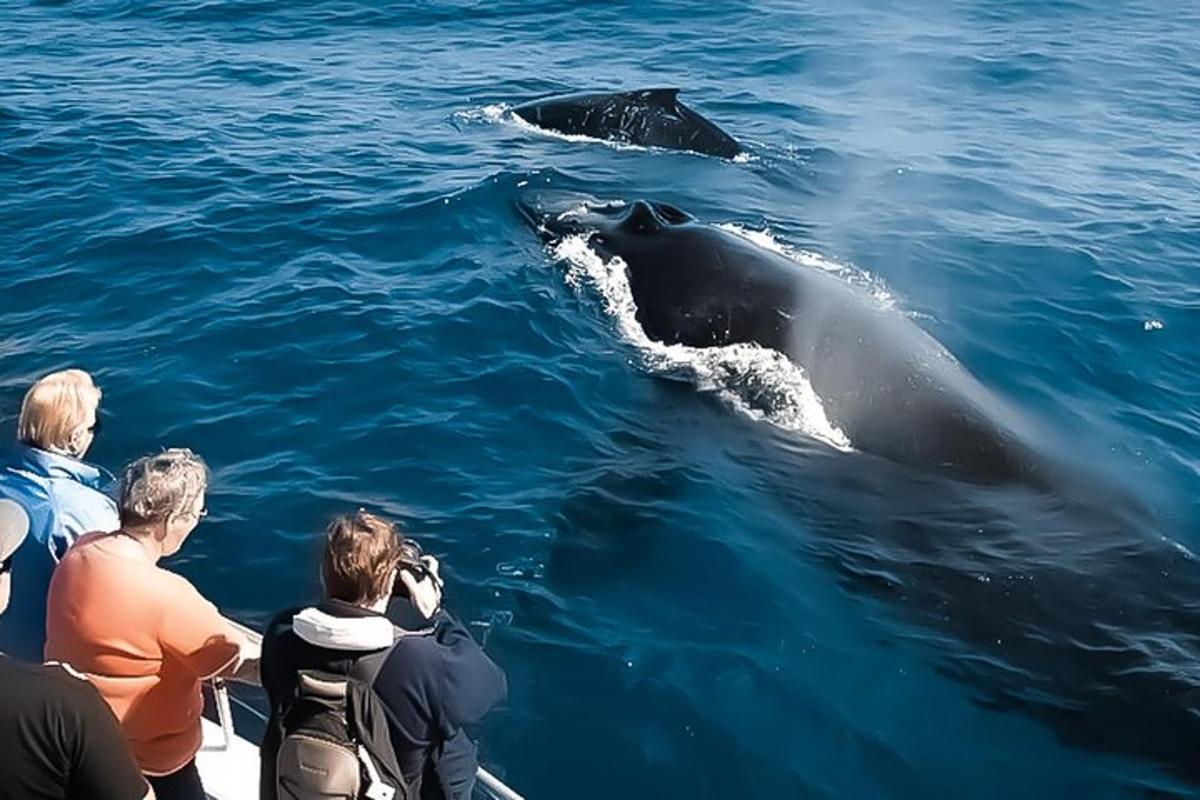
492	786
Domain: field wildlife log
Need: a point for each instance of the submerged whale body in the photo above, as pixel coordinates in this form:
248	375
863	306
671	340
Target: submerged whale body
890	387
646	117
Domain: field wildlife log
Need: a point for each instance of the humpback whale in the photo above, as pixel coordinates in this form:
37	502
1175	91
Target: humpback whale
647	117
893	389
1063	602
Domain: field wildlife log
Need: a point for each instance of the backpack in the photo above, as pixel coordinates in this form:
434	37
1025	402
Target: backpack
336	744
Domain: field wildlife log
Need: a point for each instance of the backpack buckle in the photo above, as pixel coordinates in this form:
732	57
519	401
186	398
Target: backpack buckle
376	788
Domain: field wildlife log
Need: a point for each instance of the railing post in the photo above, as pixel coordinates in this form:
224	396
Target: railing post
224	712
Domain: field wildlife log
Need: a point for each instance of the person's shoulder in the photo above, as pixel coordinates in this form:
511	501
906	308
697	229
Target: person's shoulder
172	581
279	635
82	546
13	670
52	683
66	677
427	649
74	485
172	591
281	623
94	508
30	492
77	559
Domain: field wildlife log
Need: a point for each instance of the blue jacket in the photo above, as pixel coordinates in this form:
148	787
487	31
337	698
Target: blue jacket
64	498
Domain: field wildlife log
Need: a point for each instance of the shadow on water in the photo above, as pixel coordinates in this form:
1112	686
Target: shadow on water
1068	607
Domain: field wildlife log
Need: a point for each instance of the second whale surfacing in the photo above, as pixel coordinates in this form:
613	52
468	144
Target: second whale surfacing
1065	604
645	117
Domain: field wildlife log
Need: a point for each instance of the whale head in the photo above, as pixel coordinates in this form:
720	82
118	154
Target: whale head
556	213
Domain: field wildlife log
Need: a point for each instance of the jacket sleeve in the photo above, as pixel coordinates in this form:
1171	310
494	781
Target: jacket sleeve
272	669
471	682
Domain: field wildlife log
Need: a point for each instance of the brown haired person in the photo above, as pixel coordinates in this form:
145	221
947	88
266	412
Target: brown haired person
422	665
58	738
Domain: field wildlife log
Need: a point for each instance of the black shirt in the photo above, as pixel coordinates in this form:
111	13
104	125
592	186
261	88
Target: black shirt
59	740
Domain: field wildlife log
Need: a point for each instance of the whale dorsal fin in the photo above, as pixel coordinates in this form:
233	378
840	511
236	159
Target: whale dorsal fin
657	97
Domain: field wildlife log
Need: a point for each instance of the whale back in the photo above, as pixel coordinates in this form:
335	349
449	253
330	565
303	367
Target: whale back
890	386
645	117
683	288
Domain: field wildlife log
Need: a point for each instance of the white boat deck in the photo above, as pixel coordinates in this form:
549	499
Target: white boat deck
229	768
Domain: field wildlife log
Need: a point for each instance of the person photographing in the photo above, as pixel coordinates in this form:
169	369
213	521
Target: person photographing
380	628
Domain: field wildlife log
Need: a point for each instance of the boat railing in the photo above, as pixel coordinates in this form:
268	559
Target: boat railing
491	786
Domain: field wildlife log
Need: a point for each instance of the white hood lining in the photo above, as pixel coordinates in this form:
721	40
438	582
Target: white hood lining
343	633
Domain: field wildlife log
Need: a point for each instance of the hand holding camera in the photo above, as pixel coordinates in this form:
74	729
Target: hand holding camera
420	574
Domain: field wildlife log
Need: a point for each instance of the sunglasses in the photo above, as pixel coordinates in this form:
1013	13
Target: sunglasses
97	426
6	565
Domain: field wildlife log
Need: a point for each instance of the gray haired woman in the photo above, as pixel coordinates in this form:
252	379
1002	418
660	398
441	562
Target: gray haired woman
143	634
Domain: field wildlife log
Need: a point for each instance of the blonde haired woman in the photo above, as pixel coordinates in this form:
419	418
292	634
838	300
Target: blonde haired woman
63	495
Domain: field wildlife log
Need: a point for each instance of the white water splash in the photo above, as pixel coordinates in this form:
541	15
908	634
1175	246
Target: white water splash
757	381
497	112
860	278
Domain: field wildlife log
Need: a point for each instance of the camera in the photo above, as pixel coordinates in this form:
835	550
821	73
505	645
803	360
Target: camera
410	561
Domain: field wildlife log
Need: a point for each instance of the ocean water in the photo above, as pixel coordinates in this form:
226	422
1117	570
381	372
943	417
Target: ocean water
283	234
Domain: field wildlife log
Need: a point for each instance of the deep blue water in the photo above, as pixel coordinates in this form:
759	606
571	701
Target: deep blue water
282	234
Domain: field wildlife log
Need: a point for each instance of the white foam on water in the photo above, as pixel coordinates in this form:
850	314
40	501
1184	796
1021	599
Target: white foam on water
757	381
497	112
859	277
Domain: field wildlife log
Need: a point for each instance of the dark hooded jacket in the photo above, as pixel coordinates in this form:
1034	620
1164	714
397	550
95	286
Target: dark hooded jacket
434	681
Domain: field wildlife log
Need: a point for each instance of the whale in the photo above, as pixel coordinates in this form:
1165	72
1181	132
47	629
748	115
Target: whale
645	117
1060	598
889	386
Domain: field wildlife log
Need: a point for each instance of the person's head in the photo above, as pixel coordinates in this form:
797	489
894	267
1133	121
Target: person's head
60	413
362	553
14	525
162	496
